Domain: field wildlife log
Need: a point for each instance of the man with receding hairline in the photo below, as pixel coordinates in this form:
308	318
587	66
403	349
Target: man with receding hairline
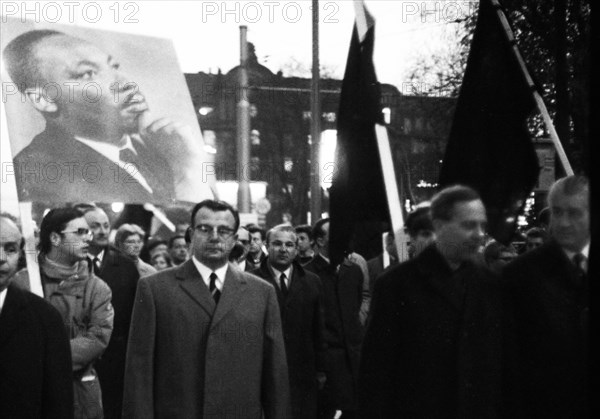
35	356
300	301
433	344
548	292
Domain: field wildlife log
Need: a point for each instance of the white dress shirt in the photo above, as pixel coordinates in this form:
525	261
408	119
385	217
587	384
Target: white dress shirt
2	298
205	272
288	276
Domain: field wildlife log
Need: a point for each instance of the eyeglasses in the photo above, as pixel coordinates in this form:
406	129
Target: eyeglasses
83	232
206	230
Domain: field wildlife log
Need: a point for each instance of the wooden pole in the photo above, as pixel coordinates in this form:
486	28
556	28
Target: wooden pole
385	155
536	95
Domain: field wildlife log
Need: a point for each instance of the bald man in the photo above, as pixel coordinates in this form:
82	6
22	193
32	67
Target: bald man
35	356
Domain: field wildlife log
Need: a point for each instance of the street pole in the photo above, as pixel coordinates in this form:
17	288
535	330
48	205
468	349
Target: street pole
315	111
243	127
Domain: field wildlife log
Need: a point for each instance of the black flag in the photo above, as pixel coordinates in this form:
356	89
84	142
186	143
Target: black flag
357	194
490	148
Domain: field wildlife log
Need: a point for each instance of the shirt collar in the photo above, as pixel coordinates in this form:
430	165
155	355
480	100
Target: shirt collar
585	252
108	150
2	298
287	272
205	272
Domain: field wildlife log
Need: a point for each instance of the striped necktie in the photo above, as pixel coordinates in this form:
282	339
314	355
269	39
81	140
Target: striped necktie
214	291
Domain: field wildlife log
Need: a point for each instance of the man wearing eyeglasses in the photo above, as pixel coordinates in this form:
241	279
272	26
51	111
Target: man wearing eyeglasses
299	296
206	338
83	300
121	275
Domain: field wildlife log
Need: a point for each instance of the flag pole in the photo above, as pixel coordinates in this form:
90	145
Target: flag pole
385	155
536	95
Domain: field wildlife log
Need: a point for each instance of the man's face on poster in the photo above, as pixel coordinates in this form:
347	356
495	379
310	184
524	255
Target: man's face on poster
88	95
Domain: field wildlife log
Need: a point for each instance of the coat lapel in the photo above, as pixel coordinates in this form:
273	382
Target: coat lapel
11	315
193	285
296	285
232	291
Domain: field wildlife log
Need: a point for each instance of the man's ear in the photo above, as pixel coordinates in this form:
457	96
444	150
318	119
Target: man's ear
40	101
320	242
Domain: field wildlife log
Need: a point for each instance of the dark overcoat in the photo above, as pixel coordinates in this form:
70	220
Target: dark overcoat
342	298
36	379
303	328
551	329
432	349
121	275
56	165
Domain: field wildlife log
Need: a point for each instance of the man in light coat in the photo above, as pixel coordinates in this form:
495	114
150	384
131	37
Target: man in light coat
205	338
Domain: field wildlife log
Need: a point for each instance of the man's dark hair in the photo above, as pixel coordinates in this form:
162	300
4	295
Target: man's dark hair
305	228
418	220
317	231
442	204
175	237
21	61
237	252
55	222
216	206
255	229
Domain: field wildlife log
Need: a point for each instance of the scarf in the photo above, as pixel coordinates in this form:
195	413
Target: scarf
52	269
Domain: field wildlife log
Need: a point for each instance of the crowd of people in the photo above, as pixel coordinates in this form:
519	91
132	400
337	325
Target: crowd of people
230	321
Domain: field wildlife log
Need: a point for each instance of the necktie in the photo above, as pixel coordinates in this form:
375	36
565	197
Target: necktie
214	291
579	260
95	262
282	285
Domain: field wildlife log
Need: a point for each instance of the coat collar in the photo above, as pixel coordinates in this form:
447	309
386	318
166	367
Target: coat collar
439	276
193	285
298	273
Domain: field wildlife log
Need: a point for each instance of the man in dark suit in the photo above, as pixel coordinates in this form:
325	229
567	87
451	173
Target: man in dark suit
548	293
99	144
342	299
121	275
35	356
206	338
433	344
299	297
